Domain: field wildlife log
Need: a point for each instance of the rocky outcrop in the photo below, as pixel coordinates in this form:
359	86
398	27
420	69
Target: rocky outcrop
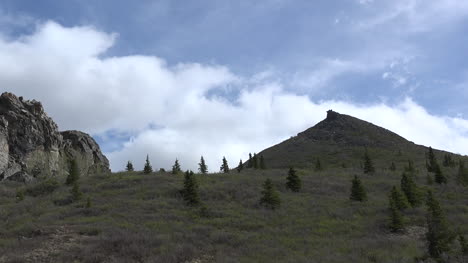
31	145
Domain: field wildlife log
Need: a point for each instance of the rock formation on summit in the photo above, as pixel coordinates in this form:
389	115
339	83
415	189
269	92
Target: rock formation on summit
31	145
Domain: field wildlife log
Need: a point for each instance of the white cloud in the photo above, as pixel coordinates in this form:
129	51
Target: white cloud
168	110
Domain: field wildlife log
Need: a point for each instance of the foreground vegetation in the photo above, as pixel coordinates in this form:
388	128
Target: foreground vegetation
137	217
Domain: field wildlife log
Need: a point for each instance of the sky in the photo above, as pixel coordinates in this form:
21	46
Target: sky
181	79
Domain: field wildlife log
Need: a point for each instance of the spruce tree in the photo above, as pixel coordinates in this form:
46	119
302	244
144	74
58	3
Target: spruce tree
410	168
293	182
73	173
358	193
438	235
129	167
431	161
250	162
392	167
398	199
396	217
224	166
439	176
176	167
190	190
318	165
270	198
255	161
262	163
410	189
76	192
368	165
240	166
88	202
147	169
202	167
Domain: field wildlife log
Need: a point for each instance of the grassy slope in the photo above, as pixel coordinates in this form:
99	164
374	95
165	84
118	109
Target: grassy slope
137	217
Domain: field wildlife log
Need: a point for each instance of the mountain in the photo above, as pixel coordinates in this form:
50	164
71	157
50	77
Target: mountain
31	145
341	140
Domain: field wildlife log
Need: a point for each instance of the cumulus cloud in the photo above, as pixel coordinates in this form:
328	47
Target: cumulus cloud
185	110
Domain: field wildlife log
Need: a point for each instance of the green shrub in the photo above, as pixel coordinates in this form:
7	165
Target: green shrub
43	188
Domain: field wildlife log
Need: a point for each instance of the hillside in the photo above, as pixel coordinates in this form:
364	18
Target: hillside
341	140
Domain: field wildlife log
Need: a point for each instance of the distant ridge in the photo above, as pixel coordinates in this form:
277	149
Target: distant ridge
341	140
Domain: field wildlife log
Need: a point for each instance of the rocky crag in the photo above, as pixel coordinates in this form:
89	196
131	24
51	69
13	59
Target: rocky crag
31	145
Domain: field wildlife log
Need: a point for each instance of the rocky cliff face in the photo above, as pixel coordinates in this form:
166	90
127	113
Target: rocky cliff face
31	145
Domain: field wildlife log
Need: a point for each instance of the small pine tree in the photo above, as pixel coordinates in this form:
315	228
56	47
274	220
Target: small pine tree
262	163
270	198
202	167
358	193
293	182
147	168
410	189
190	190
129	167
463	244
396	217
76	192
439	176
73	173
393	167
438	235
448	161
224	166
255	161
176	167
398	199
318	165
431	163
250	161
368	165
240	166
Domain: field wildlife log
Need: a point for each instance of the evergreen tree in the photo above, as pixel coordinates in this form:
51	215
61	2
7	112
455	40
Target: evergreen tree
190	190
431	161
240	166
148	168
202	167
129	167
250	162
438	235
463	244
262	163
19	195
358	193
176	167
73	173
396	217
368	165
398	198
293	182
439	176
255	161
393	167
270	198
318	165
75	191
410	189
224	167
462	175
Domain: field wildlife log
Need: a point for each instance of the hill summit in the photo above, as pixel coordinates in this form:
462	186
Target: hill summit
341	140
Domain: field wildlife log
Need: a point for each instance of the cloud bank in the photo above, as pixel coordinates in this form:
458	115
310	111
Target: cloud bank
140	105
